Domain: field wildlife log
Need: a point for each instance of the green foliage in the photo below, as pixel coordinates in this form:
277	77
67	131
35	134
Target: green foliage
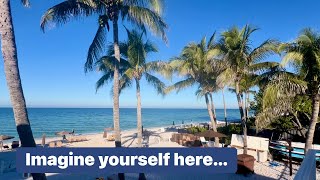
141	14
229	130
303	104
257	106
283	123
196	129
133	64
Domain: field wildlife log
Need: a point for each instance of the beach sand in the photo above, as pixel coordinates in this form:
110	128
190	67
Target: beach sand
159	137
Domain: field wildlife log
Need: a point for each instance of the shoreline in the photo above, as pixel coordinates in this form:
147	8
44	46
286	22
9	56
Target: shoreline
126	131
129	131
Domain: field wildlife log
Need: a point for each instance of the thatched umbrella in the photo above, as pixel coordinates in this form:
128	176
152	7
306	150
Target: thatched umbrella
211	134
62	133
5	137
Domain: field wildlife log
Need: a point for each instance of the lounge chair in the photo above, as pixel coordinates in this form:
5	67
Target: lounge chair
211	144
110	138
52	144
204	142
59	144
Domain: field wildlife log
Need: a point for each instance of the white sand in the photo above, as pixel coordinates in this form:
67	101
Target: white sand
128	139
159	139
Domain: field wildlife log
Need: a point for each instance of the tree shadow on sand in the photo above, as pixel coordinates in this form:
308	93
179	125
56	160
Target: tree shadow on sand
145	138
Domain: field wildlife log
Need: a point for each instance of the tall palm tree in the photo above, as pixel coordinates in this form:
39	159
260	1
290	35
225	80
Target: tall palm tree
239	55
11	68
304	53
133	68
144	13
194	64
224	107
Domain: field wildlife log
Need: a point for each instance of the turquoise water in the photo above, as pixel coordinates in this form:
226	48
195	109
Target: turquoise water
90	120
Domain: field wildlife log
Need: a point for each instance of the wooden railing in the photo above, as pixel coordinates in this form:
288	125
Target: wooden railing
307	169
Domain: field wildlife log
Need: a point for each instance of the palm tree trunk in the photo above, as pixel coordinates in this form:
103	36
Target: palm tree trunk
214	126
243	118
313	122
247	105
11	68
224	107
139	120
213	108
116	115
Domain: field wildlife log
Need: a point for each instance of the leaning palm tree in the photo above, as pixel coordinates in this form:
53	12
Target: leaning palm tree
224	107
304	53
194	64
239	55
133	68
11	68
145	13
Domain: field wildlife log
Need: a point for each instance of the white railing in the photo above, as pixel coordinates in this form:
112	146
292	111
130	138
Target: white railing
307	169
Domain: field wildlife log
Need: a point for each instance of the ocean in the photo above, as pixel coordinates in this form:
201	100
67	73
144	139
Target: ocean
92	120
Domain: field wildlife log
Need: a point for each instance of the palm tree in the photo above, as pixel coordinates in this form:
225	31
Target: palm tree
195	65
239	55
11	68
134	66
304	54
224	107
145	13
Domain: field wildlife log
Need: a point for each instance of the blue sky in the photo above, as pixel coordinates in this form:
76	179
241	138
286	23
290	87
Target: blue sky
51	63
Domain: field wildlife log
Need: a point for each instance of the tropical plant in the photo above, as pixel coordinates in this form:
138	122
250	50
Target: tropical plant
195	65
278	98
242	60
11	68
304	54
133	67
145	13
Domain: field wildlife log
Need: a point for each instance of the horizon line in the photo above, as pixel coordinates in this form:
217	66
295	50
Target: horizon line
111	107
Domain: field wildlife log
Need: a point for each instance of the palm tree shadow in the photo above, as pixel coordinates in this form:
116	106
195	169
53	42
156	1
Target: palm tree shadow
130	138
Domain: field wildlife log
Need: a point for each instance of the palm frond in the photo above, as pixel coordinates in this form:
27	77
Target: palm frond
144	17
104	79
155	5
296	57
271	113
25	3
226	78
124	82
67	10
263	66
211	43
156	83
96	48
265	49
180	85
160	67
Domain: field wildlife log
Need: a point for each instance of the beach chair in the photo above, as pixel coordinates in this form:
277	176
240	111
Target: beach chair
210	143
52	144
111	138
204	142
59	144
15	144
